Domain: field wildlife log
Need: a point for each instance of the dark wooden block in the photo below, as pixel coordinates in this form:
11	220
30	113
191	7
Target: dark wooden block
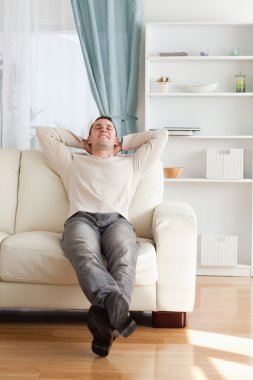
172	319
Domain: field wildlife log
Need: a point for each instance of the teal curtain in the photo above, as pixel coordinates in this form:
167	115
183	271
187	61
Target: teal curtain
109	33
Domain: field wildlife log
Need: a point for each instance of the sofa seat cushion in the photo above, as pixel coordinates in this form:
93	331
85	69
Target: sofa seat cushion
36	257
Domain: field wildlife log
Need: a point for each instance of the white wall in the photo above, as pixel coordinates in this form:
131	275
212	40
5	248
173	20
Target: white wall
189	10
198	10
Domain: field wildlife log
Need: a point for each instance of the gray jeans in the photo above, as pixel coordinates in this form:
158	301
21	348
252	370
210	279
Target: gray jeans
103	251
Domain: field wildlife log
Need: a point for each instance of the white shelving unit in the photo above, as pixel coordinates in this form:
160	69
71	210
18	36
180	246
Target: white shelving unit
225	119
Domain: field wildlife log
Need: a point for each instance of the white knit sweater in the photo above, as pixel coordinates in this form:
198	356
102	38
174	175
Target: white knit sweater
96	184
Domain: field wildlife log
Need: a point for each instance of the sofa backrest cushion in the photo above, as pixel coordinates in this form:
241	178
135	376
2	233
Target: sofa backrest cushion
42	199
9	171
43	202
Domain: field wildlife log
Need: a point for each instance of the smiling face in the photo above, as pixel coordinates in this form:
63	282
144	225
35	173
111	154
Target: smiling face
103	135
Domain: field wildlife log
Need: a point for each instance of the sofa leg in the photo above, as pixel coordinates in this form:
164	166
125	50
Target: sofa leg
172	319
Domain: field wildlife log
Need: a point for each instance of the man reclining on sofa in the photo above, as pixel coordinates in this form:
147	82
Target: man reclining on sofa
100	185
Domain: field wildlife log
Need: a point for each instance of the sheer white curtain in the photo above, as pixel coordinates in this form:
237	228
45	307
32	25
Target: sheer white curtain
44	81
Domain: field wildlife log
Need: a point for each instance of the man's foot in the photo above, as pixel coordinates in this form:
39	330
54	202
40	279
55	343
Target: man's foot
118	314
100	328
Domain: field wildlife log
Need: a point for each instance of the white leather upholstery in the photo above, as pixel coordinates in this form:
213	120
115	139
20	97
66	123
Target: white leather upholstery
175	230
148	195
36	257
9	170
33	270
42	200
44	296
3	236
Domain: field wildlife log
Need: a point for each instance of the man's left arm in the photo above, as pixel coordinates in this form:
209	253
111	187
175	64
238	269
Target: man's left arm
148	146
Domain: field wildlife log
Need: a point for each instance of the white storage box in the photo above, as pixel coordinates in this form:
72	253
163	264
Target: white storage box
224	163
219	250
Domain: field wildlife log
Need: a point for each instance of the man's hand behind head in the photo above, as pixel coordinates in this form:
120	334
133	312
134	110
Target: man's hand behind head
86	146
117	148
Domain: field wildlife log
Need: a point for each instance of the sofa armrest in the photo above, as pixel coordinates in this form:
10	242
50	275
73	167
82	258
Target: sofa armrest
175	235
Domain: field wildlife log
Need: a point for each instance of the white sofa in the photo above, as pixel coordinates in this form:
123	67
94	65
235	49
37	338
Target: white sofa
34	273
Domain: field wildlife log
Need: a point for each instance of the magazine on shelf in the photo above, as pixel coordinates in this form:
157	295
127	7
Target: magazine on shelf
182	131
193	129
173	54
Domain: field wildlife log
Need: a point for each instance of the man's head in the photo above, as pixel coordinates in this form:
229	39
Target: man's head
100	118
103	134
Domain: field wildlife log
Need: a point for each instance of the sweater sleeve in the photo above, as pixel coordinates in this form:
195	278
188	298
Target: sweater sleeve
54	143
148	145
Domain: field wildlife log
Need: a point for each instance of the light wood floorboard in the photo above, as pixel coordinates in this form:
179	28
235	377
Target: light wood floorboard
217	343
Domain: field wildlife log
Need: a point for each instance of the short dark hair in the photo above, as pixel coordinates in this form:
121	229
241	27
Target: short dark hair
103	117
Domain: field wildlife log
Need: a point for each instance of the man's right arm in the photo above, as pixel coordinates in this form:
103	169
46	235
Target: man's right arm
55	142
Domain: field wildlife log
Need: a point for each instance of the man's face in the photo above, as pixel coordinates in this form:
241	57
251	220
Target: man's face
103	134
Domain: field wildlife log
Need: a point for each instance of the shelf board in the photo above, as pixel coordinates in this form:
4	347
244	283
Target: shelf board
197	136
238	270
157	24
206	94
225	137
207	180
157	58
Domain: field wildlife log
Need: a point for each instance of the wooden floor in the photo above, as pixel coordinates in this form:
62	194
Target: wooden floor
217	343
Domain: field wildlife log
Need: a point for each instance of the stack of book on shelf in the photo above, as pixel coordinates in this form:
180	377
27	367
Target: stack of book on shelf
173	54
182	131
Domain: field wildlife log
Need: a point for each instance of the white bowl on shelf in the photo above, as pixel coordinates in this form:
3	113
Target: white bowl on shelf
200	87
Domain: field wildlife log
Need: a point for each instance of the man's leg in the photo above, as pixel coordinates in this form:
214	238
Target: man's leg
81	243
119	246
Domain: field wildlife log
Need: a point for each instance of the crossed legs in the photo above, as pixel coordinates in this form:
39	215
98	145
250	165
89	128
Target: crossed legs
103	251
